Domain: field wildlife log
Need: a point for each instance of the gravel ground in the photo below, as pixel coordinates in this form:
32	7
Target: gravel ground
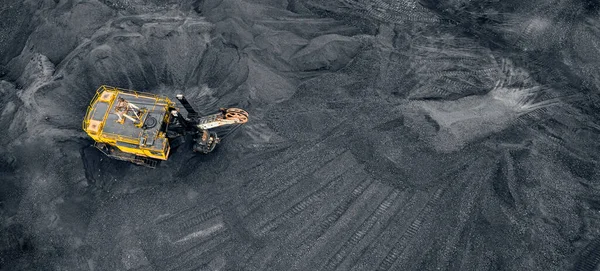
383	135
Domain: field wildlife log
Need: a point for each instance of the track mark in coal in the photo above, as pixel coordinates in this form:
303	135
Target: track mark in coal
390	125
270	167
196	256
350	186
185	213
187	239
302	214
201	233
466	207
290	178
179	229
396	252
279	164
341	209
393	226
358	235
396	12
248	252
590	258
296	209
329	176
192	250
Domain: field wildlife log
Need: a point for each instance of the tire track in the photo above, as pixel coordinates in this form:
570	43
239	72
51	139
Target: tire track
188	255
186	240
195	240
292	156
590	258
398	12
425	91
341	209
306	167
273	161
259	175
396	253
247	255
183	214
297	208
313	255
329	176
453	66
364	228
483	263
466	207
304	226
456	73
466	262
177	229
388	236
196	256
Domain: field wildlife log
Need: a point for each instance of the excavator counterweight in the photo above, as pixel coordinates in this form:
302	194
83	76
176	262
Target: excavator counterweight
140	127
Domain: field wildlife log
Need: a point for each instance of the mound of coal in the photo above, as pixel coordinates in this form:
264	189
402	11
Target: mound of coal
383	135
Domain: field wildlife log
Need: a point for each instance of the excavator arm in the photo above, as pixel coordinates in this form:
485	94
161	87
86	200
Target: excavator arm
206	140
227	116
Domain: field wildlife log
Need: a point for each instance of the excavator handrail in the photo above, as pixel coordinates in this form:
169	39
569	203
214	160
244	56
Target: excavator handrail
85	119
89	110
136	93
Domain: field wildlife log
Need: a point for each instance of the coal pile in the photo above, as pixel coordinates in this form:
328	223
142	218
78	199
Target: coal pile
383	135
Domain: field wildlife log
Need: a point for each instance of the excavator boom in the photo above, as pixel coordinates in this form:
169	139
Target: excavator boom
205	139
228	116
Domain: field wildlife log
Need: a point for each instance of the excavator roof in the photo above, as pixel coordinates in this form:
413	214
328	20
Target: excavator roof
102	118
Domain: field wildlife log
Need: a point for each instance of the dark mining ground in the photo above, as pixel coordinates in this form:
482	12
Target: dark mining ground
383	135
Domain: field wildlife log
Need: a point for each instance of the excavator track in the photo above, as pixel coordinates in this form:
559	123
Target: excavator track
128	157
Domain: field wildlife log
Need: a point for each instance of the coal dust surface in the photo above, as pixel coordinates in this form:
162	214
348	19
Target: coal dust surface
383	135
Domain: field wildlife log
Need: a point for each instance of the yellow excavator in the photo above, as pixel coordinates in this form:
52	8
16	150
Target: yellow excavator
142	127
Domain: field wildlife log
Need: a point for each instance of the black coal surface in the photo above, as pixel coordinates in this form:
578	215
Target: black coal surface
383	135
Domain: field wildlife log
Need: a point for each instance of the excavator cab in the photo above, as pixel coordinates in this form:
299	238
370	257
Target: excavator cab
139	127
